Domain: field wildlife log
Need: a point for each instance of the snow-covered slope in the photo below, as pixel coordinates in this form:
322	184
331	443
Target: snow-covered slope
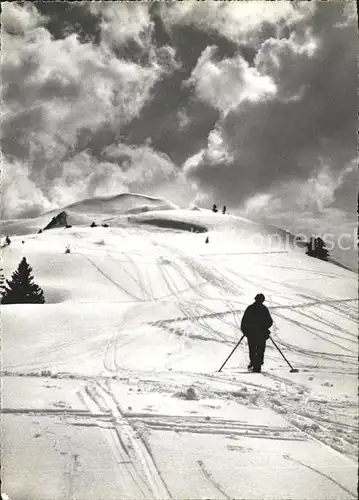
121	204
111	389
102	209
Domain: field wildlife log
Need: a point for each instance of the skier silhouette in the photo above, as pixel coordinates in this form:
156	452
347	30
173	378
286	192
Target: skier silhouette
255	326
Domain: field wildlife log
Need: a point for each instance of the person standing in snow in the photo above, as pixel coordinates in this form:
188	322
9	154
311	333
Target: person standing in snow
255	326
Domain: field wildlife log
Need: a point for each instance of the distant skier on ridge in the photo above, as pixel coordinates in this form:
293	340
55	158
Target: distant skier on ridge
255	326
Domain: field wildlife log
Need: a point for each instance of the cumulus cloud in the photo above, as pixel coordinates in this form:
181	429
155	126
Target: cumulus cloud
238	21
313	195
145	167
123	168
226	83
307	207
55	90
310	119
19	19
123	22
282	60
128	28
19	194
150	172
213	155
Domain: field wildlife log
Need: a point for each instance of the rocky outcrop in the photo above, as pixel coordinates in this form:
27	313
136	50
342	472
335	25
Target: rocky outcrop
59	220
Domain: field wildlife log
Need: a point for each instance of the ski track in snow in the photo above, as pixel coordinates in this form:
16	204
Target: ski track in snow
353	495
210	478
126	444
301	411
71	471
110	279
218	279
125	431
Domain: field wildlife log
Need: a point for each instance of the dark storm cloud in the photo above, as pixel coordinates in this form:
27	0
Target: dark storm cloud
311	119
64	18
345	194
170	96
63	95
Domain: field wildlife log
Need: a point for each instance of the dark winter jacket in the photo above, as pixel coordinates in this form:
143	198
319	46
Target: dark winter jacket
256	321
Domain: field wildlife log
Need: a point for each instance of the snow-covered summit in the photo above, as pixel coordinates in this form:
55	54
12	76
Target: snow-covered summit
139	209
121	204
101	208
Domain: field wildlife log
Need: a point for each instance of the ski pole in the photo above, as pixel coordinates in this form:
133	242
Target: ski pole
293	370
232	352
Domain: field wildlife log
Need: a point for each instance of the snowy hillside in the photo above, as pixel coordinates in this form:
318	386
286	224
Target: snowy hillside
121	204
103	209
111	389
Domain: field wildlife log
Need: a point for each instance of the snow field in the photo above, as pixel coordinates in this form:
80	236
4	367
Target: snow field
111	389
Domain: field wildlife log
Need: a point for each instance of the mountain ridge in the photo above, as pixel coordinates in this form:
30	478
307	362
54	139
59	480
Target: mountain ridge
138	208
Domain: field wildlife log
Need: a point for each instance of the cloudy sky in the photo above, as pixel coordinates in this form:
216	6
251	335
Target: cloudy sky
249	104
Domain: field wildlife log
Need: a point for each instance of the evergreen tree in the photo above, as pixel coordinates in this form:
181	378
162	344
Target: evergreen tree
311	247
316	248
321	250
21	289
2	283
